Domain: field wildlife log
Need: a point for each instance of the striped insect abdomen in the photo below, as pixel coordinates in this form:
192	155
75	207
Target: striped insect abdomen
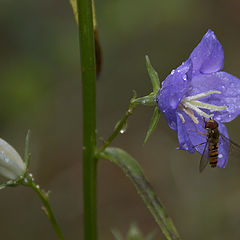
213	153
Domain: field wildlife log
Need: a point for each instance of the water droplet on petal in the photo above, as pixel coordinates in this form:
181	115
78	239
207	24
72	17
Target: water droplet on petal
185	77
172	72
220	155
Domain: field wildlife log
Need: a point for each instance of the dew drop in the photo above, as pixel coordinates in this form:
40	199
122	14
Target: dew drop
124	128
220	155
130	111
172	72
185	77
37	186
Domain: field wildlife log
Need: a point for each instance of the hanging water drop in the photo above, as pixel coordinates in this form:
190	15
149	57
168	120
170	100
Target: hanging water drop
124	128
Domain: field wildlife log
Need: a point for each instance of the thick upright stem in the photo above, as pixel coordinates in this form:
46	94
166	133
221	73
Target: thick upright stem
88	71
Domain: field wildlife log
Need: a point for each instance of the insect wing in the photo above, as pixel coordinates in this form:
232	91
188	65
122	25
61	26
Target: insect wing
204	158
230	146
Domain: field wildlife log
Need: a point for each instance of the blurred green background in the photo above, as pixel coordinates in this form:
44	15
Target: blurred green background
40	90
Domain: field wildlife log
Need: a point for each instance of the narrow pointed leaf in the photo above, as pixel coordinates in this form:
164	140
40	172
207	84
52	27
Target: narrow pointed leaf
153	76
134	172
153	123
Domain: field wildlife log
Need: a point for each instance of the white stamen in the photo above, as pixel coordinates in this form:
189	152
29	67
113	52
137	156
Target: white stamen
197	110
208	106
181	117
189	112
201	95
188	104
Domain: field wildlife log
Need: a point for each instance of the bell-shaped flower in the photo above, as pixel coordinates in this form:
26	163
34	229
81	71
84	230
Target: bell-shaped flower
198	89
11	164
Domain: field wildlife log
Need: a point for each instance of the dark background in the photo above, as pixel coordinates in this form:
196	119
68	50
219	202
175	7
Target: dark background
40	90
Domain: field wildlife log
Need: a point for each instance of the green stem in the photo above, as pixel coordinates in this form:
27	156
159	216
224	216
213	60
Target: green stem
47	208
120	125
88	71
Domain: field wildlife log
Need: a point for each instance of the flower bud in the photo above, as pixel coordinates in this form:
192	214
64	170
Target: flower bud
11	164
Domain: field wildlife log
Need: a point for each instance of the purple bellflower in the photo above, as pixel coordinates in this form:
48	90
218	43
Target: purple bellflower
198	89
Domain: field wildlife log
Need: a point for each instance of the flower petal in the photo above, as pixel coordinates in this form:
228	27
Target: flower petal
174	87
196	132
223	148
208	56
183	135
228	85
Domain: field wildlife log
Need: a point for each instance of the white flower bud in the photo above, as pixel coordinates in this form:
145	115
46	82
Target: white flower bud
11	164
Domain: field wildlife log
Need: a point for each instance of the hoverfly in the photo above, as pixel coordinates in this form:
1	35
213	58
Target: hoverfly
214	138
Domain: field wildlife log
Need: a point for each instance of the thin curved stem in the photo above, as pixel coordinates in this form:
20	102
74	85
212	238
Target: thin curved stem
120	125
28	181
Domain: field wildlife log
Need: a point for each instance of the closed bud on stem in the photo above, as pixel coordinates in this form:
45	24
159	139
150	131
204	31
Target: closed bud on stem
11	164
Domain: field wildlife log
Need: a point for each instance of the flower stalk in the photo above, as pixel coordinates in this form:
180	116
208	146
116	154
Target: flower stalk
29	182
120	125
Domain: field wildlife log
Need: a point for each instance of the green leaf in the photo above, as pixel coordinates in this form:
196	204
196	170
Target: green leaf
153	123
153	76
134	172
27	154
